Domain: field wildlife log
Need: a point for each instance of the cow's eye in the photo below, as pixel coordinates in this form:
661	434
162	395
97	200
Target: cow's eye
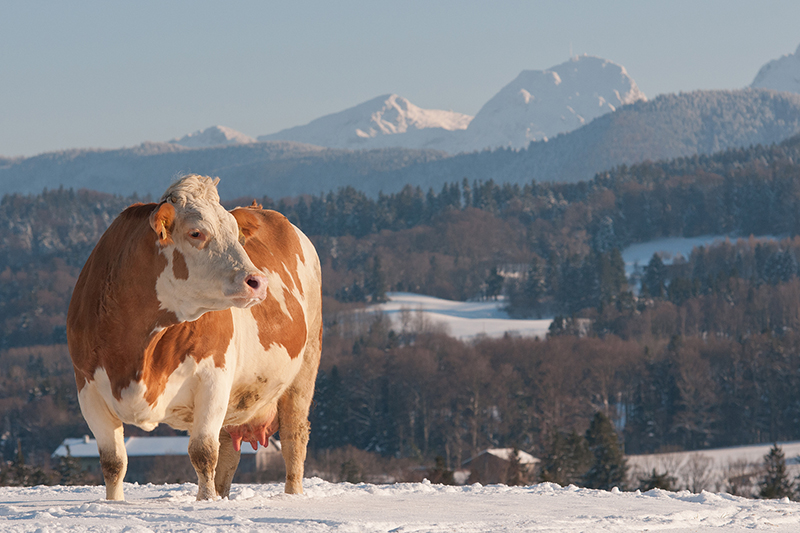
196	234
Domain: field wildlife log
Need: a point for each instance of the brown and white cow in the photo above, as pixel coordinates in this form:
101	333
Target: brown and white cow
207	320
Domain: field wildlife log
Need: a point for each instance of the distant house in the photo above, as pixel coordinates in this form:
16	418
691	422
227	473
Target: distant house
165	459
491	465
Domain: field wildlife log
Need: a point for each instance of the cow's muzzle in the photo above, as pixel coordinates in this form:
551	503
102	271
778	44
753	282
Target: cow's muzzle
253	291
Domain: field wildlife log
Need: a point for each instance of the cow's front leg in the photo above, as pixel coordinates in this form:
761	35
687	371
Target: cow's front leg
204	453
108	432
209	415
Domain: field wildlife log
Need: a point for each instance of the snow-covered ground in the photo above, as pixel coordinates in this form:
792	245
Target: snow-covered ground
463	320
403	507
712	469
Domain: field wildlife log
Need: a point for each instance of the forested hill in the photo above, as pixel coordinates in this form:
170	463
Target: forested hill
445	243
706	354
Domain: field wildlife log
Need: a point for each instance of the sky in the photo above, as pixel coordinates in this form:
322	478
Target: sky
108	74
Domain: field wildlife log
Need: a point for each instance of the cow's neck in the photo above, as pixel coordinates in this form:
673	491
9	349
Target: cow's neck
133	313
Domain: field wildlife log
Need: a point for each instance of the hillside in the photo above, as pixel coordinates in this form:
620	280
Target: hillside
669	126
276	168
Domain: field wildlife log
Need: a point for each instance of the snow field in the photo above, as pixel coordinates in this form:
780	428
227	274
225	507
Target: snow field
462	320
402	507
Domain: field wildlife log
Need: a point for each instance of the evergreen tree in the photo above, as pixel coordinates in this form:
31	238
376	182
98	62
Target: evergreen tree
609	467
567	459
467	193
535	282
494	284
775	483
655	277
69	470
375	284
612	275
329	416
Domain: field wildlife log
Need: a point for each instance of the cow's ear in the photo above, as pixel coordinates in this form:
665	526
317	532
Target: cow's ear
247	221
162	220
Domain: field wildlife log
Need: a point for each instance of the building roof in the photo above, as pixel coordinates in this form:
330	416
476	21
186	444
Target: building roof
505	454
141	447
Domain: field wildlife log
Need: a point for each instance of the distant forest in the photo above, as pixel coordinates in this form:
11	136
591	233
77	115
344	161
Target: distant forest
705	352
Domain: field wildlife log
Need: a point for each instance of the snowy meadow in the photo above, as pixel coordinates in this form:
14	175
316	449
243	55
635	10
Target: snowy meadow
402	507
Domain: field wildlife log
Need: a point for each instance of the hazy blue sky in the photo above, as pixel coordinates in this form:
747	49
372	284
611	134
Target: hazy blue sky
110	74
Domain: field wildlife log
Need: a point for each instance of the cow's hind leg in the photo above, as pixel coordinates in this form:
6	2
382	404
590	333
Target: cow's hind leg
293	422
226	465
108	432
294	430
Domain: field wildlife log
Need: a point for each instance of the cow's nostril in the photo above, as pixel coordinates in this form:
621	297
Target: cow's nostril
253	283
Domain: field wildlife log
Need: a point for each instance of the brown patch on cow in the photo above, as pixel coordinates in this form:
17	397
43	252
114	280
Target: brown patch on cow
275	327
272	243
184	414
179	268
208	336
115	321
246	400
203	454
111	465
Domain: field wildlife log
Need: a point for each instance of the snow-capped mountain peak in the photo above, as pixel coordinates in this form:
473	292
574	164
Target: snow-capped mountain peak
782	74
213	136
395	114
367	123
539	104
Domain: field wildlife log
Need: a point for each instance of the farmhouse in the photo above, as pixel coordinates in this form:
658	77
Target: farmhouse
492	465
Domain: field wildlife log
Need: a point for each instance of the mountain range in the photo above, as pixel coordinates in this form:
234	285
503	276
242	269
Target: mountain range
600	131
536	105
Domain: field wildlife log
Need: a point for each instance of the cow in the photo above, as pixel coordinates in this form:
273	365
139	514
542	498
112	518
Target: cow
207	320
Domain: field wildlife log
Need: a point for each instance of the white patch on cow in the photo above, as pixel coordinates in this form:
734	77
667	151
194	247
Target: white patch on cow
265	372
176	295
275	288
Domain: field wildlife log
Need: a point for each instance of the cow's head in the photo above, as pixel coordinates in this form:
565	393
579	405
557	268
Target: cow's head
208	269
